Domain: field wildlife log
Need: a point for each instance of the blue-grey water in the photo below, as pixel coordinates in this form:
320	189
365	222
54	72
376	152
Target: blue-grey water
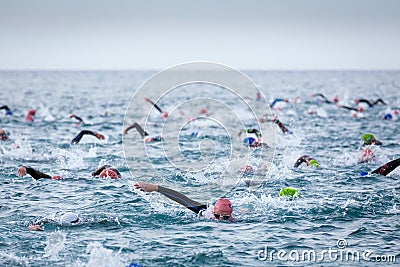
121	225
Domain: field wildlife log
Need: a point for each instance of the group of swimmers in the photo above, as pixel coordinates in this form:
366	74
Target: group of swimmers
223	208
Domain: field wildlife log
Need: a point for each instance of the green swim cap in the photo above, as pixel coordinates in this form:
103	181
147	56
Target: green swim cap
289	192
368	138
314	163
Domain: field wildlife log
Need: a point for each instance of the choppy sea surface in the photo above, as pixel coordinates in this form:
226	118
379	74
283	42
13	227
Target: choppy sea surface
339	216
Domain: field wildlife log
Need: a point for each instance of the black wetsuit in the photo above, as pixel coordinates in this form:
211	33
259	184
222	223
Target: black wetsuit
36	174
139	128
78	138
8	111
388	167
324	97
371	104
303	159
182	199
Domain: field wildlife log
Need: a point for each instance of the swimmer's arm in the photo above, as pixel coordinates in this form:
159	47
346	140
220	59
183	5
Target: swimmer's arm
365	101
346	107
76	117
78	138
300	161
173	195
23	170
388	167
281	126
379	101
99	170
139	128
154	104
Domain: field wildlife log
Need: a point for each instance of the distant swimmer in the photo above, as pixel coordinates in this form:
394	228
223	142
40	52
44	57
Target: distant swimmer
24	169
107	171
276	100
325	99
3	135
30	116
80	120
7	109
369	139
289	193
164	114
65	218
361	100
222	210
256	132
78	138
277	122
308	160
253	143
367	155
384	169
143	133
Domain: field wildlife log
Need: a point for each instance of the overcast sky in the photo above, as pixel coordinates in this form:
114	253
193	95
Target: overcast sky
269	34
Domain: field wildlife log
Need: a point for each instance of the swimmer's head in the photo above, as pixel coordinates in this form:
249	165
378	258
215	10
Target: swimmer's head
69	217
164	115
314	163
289	192
248	141
336	99
247	169
388	117
370	139
223	209
4	134
109	173
32	112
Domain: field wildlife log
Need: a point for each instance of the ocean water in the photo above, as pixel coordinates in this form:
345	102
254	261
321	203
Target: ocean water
120	225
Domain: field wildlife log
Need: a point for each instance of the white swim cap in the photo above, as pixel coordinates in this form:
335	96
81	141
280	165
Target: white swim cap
69	217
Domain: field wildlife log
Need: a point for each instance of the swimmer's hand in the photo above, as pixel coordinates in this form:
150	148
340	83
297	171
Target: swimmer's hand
99	136
146	187
22	171
35	227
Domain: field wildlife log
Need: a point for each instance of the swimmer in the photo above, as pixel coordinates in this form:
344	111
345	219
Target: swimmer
6	108
66	218
3	135
385	169
323	97
222	209
251	131
78	138
107	171
164	114
143	133
80	120
361	100
253	143
308	160
277	122
369	139
30	116
276	100
289	192
24	169
367	155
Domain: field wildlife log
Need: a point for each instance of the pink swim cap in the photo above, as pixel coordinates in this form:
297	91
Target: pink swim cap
224	205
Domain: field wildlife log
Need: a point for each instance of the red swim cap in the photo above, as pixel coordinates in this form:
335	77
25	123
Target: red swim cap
223	205
164	115
109	173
